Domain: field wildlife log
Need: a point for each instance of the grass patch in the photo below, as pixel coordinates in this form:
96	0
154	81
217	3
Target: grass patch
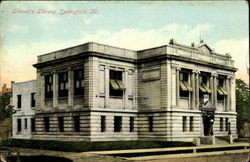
90	146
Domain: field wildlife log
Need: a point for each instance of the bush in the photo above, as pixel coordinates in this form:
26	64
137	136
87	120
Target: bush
90	146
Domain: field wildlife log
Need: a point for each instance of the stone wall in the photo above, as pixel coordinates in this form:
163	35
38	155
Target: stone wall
26	112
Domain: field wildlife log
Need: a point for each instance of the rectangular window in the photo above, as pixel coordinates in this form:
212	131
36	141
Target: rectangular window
78	82
33	100
61	124
63	84
76	123
221	91
25	123
131	124
204	84
150	124
191	126
184	123
226	124
116	86
48	86
117	124
19	101
46	124
103	123
19	125
221	124
185	87
33	124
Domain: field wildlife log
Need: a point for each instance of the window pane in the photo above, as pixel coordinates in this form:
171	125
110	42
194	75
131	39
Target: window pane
77	84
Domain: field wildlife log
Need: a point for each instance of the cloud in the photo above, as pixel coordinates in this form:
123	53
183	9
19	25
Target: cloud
18	28
87	21
50	19
137	39
239	49
21	58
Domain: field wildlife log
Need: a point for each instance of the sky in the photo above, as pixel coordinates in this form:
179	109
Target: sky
32	28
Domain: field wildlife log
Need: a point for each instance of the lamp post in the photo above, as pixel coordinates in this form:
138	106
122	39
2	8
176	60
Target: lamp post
211	125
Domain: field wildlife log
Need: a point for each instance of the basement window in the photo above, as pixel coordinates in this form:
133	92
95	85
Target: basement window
33	124
76	123
221	124
150	124
117	124
25	123
131	124
61	124
103	123
46	124
184	123
191	125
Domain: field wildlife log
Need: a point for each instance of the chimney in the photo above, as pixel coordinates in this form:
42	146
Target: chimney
192	44
172	41
4	88
12	82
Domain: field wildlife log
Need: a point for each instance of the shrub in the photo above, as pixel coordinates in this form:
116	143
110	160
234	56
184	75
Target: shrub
90	146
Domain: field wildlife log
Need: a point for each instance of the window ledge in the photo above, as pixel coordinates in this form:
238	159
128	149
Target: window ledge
186	98
62	98
78	96
48	99
116	97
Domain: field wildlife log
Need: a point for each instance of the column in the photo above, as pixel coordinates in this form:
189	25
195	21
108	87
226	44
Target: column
125	96
215	90
212	89
41	81
55	89
197	89
177	86
228	95
106	82
70	88
193	92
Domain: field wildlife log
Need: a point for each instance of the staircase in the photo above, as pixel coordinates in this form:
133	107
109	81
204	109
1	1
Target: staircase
210	140
221	140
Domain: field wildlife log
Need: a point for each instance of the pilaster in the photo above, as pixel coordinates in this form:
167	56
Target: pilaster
215	89
177	86
197	87
55	89
194	91
71	88
106	82
228	97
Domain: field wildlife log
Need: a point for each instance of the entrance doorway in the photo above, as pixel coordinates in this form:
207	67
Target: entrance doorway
207	125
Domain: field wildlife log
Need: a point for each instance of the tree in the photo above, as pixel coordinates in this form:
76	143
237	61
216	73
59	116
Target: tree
242	104
5	109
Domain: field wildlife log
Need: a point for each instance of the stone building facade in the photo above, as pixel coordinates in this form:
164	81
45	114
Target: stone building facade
95	92
24	101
